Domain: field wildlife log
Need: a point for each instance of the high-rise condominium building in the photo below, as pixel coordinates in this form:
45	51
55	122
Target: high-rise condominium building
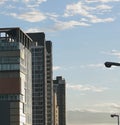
59	87
15	77
42	80
56	109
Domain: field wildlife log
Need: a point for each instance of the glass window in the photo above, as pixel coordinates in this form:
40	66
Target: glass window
10	97
7	45
4	67
4	60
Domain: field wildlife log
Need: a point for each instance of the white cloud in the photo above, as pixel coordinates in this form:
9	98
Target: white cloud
33	3
110	105
86	13
103	1
2	1
89	13
101	107
77	8
86	88
115	53
40	1
26	0
36	1
105	107
115	106
33	16
52	16
100	20
103	7
85	10
99	65
56	68
69	24
60	25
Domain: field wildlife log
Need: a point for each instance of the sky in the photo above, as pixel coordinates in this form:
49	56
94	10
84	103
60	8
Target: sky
84	34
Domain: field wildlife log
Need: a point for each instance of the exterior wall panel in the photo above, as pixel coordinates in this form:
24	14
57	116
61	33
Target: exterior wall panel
4	113
42	80
10	85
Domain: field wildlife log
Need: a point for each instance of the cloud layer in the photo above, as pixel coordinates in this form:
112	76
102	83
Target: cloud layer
86	88
80	13
33	16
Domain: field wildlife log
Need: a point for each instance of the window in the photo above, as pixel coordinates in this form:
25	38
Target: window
10	97
6	45
4	67
7	60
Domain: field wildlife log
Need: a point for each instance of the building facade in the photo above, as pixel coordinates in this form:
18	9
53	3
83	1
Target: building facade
42	80
60	88
15	77
26	84
49	83
56	109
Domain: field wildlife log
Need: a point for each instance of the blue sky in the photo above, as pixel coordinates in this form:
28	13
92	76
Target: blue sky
85	34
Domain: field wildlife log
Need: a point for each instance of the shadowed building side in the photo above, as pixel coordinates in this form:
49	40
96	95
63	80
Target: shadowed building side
42	79
60	89
39	85
49	83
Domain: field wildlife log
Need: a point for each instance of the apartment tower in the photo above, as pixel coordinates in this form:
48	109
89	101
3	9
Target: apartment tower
56	108
15	77
60	89
42	83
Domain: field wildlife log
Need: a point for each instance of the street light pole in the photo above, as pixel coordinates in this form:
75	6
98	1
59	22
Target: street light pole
114	115
108	65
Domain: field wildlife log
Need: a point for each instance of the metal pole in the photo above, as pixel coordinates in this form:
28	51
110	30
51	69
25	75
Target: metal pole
114	115
118	119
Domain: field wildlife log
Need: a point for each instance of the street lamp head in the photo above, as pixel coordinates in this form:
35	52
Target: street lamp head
108	64
112	115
